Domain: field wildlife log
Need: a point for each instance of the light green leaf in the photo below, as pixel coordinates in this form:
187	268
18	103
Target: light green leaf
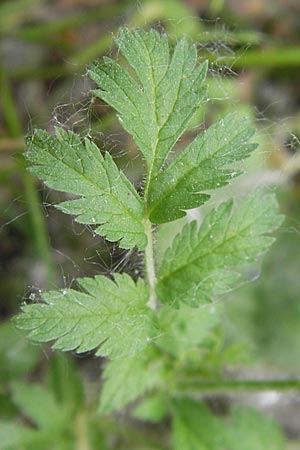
65	382
183	330
107	197
154	408
14	436
204	164
40	406
110	316
202	264
254	430
195	428
17	355
127	379
156	107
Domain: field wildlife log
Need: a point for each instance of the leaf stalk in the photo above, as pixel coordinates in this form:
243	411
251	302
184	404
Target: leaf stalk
150	275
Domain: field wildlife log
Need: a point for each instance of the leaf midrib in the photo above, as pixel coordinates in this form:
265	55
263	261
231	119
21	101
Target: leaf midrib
93	183
187	173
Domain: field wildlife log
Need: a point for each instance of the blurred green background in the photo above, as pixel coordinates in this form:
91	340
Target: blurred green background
254	51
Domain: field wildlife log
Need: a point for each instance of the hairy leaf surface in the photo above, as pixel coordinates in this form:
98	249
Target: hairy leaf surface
156	104
202	264
110	316
204	164
107	198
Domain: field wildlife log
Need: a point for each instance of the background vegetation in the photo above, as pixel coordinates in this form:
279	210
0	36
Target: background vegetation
254	51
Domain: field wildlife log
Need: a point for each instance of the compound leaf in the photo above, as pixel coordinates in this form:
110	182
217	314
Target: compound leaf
202	264
107	198
110	316
204	164
156	106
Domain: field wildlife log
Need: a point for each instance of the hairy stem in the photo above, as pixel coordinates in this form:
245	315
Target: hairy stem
150	266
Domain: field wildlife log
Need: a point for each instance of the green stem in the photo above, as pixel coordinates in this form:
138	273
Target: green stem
81	432
150	266
266	58
192	387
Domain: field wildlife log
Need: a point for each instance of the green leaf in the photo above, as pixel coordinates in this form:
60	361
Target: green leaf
128	379
110	316
107	197
184	330
65	382
195	428
40	406
14	436
154	408
156	107
17	355
253	429
204	164
202	264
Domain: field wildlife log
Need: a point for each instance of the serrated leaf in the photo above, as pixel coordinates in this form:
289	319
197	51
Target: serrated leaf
156	107
110	317
202	264
107	198
204	164
127	379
